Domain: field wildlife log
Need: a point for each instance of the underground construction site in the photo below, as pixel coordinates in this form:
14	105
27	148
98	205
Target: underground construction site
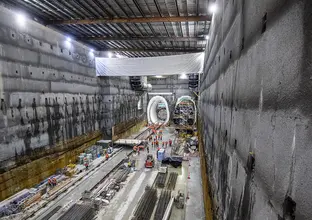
155	109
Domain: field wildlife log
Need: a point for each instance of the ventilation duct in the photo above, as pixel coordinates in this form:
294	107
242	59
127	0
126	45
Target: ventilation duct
193	81
138	83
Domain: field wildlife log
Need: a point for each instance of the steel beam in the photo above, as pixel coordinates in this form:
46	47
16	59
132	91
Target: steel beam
163	50
103	38
130	20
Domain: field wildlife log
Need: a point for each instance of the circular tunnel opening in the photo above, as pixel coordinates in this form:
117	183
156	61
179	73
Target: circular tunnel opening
158	110
185	111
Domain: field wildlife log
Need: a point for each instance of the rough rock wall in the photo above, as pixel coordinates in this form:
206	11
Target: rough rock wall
122	103
50	94
256	109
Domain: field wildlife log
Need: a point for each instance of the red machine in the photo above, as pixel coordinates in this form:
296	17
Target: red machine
140	147
149	162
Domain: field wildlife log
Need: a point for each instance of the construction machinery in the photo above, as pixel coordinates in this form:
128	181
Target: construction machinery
179	200
149	162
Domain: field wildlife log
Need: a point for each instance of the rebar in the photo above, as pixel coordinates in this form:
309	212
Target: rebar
162	204
146	205
161	180
172	181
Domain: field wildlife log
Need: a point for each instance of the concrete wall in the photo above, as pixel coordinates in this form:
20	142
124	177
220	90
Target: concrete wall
122	102
256	109
49	92
172	84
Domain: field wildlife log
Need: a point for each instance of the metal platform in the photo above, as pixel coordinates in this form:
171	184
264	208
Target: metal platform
131	142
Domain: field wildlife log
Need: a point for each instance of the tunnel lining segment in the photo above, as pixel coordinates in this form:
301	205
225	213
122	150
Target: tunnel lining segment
151	110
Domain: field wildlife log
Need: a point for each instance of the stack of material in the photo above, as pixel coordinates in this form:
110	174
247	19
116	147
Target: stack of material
79	212
121	175
172	181
161	180
146	205
15	203
32	199
162	204
59	186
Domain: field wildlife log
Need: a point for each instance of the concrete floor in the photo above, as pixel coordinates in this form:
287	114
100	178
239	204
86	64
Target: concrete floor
88	182
181	185
124	203
195	204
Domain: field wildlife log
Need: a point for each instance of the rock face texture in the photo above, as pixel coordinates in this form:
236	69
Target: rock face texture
50	98
255	108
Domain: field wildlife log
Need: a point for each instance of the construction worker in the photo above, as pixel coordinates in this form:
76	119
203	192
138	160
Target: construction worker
157	152
54	181
50	182
106	156
85	160
87	165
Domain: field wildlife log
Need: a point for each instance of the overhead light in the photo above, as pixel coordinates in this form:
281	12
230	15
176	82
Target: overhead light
207	37
159	76
68	42
110	55
119	56
160	93
183	76
213	8
20	19
91	52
